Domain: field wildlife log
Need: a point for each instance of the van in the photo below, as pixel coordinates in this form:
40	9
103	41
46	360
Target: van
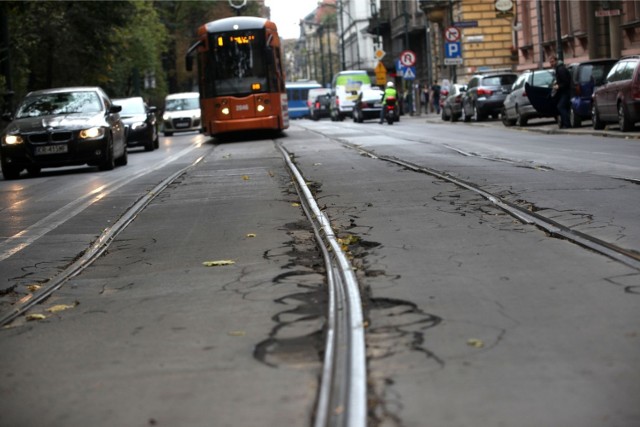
181	113
345	87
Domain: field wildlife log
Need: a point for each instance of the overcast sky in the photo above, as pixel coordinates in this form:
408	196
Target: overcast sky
288	13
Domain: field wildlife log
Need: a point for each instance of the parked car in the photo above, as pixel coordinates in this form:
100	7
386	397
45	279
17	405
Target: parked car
586	77
63	127
485	95
618	99
368	105
140	123
517	108
181	113
320	106
452	104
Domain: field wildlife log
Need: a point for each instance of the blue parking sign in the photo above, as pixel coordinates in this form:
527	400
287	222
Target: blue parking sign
452	50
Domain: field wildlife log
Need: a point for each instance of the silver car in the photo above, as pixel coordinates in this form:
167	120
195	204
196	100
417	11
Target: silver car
517	108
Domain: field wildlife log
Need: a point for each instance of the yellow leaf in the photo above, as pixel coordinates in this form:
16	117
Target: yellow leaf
236	333
295	205
33	288
474	342
36	316
251	235
59	308
218	263
245	177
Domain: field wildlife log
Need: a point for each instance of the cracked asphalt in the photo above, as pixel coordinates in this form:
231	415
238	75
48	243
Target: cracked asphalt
472	318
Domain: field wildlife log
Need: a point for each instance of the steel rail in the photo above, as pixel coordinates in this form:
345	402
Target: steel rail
342	400
96	249
625	256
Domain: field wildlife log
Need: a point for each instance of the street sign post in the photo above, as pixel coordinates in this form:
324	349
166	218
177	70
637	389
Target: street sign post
452	53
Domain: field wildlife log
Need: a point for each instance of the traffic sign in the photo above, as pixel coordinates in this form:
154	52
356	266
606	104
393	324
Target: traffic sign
408	58
452	34
381	74
409	73
379	54
452	50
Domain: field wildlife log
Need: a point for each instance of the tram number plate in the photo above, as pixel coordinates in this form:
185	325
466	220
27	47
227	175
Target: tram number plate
52	149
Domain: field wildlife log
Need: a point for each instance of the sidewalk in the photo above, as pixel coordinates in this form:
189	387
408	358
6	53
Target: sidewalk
544	125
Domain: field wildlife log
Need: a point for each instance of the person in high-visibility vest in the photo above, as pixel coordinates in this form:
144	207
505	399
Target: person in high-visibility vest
390	91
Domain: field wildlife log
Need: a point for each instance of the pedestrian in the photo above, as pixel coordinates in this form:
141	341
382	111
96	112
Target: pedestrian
425	98
562	91
435	92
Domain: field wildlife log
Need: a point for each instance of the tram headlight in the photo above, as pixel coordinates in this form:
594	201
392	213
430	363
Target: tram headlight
225	111
260	108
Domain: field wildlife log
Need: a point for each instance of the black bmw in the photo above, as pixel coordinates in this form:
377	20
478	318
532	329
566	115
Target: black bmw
63	127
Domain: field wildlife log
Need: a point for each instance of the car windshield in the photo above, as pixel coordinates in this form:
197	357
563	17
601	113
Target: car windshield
131	106
506	80
59	103
181	104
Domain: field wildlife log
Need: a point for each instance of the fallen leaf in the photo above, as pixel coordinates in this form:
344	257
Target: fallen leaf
33	288
474	342
36	316
60	307
251	235
25	298
245	177
218	263
295	205
236	333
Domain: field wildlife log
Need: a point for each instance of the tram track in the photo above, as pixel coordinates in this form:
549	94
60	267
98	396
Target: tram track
553	228
342	397
97	248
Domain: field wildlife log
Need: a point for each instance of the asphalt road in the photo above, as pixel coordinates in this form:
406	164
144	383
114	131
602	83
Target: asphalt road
472	317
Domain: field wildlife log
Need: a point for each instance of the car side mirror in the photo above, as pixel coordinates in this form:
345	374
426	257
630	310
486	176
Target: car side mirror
115	109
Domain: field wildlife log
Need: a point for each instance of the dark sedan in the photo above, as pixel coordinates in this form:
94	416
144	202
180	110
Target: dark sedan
141	125
63	127
368	105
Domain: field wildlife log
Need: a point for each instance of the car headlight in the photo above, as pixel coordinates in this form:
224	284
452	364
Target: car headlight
138	125
12	140
166	117
92	133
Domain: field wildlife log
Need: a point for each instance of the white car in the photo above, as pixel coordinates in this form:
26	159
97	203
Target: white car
181	113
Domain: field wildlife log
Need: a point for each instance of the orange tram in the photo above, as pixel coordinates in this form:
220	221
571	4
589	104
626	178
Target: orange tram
241	76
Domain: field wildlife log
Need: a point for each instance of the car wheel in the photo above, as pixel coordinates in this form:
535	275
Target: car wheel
520	119
124	159
623	119
149	145
453	117
156	142
478	117
109	162
505	119
168	133
597	123
574	119
443	115
465	117
34	170
10	171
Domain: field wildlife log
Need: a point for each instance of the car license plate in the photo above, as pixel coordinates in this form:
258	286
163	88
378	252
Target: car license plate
52	149
377	105
182	125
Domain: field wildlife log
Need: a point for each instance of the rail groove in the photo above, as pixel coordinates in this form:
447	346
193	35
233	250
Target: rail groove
342	399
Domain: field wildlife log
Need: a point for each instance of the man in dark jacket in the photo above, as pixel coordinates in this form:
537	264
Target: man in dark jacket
562	88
